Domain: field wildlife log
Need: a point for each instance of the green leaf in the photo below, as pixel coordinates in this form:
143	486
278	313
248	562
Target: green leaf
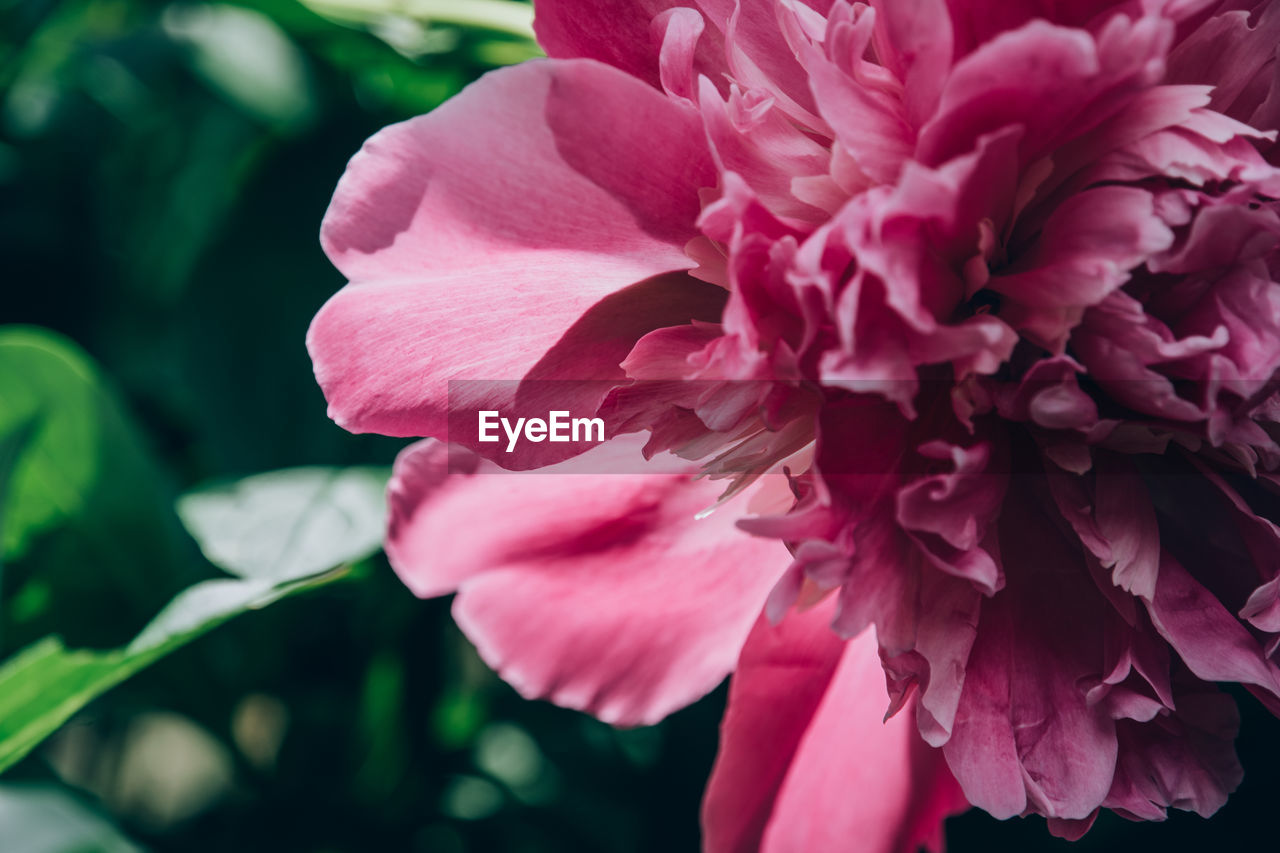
46	383
84	474
281	532
46	819
291	523
79	438
11	447
44	685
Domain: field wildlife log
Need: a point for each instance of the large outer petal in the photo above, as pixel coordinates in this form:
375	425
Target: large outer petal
807	761
601	592
476	235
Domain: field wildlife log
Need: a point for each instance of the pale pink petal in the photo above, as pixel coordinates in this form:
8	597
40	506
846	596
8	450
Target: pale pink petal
602	592
476	236
679	30
751	138
759	55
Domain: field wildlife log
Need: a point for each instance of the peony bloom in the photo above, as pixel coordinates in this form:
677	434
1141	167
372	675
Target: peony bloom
967	315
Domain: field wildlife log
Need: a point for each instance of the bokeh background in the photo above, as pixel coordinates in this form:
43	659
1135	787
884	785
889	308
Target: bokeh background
163	171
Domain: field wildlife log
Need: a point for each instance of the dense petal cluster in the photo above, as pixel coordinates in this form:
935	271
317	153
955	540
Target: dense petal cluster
973	306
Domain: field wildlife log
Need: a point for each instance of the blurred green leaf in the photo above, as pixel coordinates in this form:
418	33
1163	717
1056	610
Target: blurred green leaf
457	717
81	440
45	383
45	684
45	819
84	473
246	57
12	443
288	524
281	532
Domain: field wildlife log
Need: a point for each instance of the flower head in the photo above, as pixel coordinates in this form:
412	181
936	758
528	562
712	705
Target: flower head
972	306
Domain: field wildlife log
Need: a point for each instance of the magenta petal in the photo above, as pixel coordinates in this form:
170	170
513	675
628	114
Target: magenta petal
834	771
1026	736
518	205
1185	760
1127	521
1262	610
1233	52
1208	637
1089	245
602	592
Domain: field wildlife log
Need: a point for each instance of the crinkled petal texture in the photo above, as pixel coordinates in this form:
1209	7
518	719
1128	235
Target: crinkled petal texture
602	592
476	236
807	760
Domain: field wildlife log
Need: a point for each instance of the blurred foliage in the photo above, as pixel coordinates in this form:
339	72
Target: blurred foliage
164	167
317	521
44	819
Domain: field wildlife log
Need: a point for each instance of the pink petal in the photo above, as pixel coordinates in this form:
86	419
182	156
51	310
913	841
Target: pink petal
1208	637
1185	760
475	236
601	592
1086	251
1055	81
579	371
759	55
833	773
1233	55
751	137
915	42
869	124
679	31
1025	736
616	32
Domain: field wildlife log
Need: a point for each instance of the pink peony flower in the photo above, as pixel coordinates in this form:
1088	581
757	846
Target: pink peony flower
966	312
